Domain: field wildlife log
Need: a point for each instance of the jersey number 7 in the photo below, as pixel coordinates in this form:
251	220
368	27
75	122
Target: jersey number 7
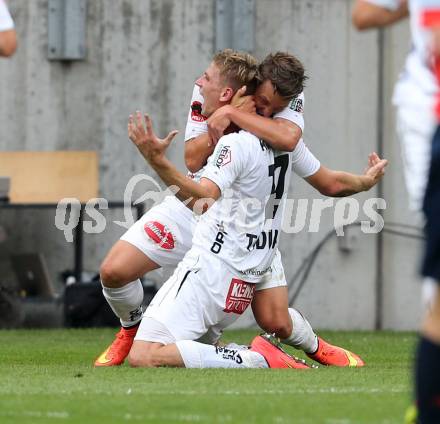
281	162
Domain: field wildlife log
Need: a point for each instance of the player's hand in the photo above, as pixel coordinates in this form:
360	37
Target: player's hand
217	124
242	102
151	147
375	169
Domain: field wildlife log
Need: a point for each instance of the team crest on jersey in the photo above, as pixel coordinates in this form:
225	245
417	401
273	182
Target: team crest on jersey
160	234
224	157
196	112
239	296
297	105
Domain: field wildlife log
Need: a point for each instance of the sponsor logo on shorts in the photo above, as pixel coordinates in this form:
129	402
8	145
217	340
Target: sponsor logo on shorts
239	296
256	272
224	157
297	105
160	234
196	112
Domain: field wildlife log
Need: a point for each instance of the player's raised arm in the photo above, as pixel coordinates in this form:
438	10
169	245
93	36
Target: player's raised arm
341	184
368	14
153	150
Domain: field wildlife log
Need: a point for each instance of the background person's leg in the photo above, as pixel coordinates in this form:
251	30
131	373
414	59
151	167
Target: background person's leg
428	357
428	367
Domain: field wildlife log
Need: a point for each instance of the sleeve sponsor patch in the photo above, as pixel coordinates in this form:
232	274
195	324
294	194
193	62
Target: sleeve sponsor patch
297	105
223	157
196	112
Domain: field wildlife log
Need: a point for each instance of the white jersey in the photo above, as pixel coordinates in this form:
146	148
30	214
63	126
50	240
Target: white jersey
417	86
265	243
240	166
243	226
6	22
196	124
414	96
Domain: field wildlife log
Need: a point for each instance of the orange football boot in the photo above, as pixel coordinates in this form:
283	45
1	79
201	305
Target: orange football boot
116	353
328	354
267	346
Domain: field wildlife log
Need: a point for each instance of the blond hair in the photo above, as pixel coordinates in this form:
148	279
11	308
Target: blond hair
238	69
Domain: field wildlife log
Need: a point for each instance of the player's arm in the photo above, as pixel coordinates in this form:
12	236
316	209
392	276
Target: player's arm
196	196
197	152
153	150
8	42
367	14
280	134
340	184
201	146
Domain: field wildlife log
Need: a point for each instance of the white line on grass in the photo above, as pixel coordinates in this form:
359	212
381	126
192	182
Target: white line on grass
60	415
290	391
175	417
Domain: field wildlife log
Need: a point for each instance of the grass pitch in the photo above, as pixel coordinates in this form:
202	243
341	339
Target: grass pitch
46	376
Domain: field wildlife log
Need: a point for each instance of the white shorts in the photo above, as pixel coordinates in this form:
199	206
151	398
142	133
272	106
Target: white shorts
200	299
415	128
164	233
275	276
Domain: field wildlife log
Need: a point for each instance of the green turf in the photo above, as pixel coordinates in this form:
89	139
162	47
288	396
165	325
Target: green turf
47	377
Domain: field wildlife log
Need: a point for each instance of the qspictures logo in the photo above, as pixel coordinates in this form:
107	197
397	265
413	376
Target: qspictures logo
299	214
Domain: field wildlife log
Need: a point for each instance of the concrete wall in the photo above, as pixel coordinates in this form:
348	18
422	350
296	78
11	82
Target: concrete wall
140	55
146	54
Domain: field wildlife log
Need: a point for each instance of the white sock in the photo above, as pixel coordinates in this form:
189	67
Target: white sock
199	355
303	336
126	302
236	346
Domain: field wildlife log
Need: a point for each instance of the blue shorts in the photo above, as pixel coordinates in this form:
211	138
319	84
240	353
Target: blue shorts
431	208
